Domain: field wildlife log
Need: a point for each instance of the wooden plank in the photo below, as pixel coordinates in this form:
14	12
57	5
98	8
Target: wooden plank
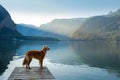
35	73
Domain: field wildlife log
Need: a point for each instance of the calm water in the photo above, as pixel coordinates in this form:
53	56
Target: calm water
80	60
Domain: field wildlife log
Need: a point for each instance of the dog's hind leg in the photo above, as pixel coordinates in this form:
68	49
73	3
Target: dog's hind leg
29	63
26	66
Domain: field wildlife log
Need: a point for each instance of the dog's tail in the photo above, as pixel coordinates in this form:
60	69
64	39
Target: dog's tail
24	61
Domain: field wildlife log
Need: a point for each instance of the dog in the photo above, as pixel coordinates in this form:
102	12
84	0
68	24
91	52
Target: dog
37	54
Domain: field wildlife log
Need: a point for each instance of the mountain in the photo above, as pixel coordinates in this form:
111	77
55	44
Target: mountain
62	26
7	26
9	30
31	30
28	30
100	27
117	13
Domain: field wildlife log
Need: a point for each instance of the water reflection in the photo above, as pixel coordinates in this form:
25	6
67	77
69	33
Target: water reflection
7	51
98	53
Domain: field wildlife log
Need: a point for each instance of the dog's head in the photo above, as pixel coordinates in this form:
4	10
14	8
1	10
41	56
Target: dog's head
46	47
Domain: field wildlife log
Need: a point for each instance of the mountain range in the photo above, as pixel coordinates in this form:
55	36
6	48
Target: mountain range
62	26
7	26
100	27
103	27
11	31
31	30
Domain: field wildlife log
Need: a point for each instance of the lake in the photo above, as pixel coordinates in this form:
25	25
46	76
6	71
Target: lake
67	60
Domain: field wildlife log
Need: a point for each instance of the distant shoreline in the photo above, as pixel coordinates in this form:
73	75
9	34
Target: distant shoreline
28	38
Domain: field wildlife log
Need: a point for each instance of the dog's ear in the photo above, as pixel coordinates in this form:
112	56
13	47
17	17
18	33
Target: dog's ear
44	47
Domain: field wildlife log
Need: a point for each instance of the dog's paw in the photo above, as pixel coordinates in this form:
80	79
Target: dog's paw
29	68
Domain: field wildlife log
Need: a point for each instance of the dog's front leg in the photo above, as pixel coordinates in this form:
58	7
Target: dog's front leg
41	63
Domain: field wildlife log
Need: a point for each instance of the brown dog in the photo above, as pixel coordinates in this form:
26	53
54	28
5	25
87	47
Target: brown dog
39	55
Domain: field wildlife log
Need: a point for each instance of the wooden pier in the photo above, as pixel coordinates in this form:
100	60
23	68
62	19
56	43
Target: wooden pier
35	73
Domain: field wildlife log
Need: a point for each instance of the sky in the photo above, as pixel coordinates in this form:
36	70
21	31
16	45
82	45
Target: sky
37	12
